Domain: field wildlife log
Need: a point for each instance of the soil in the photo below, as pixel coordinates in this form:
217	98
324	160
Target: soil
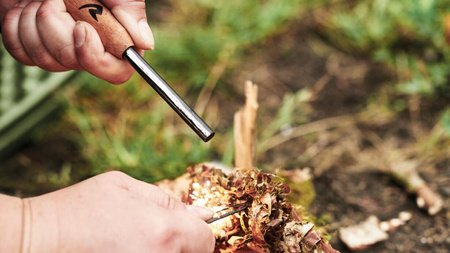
342	84
289	62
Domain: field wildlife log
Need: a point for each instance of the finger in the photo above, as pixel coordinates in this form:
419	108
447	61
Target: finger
152	192
132	15
93	58
55	27
11	39
142	189
160	197
176	231
194	234
201	212
31	41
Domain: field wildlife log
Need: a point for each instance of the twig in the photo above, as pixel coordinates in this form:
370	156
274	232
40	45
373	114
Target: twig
404	170
213	77
244	129
312	127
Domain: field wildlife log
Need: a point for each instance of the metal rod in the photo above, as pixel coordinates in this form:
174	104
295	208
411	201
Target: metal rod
168	94
226	214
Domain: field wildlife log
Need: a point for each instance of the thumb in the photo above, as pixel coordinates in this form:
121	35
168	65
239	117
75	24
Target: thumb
162	199
131	14
201	212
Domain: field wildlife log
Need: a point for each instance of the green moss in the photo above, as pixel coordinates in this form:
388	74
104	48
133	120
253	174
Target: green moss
302	194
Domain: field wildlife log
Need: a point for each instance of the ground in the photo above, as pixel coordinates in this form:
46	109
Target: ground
345	197
341	84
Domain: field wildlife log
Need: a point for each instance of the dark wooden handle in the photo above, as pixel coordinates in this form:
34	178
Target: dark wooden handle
114	36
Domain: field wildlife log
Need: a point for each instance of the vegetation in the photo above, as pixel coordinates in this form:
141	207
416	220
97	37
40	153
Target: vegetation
412	39
200	43
137	132
355	93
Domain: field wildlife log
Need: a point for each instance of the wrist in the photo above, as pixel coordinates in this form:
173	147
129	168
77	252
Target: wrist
40	226
11	223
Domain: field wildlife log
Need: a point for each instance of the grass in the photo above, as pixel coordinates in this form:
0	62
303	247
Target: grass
129	127
201	42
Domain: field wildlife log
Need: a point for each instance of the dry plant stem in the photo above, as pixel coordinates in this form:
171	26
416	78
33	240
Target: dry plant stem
244	128
427	199
394	162
214	76
405	171
446	23
312	127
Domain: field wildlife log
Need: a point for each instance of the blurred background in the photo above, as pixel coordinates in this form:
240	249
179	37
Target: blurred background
349	89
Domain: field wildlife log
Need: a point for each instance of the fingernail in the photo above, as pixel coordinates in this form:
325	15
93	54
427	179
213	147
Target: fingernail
79	34
202	212
146	34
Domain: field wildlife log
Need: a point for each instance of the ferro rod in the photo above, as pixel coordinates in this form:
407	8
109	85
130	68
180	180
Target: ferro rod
168	94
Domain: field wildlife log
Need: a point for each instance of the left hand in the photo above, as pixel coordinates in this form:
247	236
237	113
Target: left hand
42	33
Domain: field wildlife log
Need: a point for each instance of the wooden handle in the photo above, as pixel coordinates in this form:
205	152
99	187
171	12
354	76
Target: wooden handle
114	36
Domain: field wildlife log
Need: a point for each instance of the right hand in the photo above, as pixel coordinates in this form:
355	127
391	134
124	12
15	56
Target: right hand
113	212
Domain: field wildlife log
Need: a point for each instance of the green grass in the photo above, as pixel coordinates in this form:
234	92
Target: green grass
408	38
130	128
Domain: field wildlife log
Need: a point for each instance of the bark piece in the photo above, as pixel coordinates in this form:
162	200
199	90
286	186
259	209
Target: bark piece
363	235
371	231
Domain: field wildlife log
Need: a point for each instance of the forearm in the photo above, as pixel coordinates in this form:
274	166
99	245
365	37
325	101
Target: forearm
11	224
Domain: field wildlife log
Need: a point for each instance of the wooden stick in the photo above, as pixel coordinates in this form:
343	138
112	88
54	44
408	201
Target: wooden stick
114	36
244	128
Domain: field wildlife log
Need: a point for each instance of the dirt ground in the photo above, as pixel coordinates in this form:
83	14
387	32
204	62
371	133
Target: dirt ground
341	84
346	196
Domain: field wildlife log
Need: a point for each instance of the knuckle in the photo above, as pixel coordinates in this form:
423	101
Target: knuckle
10	22
109	69
168	235
137	6
31	9
128	4
171	203
16	50
42	59
116	174
45	11
165	201
168	202
113	179
66	56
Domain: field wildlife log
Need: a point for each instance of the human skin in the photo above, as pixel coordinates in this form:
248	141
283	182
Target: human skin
111	212
42	33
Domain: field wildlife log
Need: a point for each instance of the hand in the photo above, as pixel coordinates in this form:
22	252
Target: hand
42	33
113	212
